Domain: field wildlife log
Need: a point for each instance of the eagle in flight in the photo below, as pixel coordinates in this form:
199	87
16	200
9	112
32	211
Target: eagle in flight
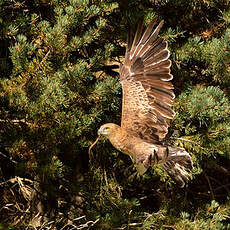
146	106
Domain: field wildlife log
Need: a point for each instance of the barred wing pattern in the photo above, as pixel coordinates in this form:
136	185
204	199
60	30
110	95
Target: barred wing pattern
147	92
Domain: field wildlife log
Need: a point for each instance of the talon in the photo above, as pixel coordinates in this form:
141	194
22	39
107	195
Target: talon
150	159
167	152
156	159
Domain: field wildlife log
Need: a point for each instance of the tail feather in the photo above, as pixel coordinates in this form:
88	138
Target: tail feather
176	161
177	165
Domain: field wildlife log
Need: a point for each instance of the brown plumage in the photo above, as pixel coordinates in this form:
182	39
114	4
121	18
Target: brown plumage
146	105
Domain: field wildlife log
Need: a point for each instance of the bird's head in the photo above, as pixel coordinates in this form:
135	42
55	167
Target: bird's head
107	129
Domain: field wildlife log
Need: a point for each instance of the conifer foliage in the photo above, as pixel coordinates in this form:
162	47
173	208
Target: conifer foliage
59	64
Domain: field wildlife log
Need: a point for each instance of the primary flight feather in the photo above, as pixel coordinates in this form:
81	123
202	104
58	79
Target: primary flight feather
146	105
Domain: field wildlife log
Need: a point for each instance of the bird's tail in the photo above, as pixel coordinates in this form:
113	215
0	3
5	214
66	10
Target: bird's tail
177	164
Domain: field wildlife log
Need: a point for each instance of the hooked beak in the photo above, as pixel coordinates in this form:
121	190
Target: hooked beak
99	132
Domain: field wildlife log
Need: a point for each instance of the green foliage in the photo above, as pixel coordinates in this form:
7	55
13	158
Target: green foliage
213	54
108	205
59	82
203	117
210	217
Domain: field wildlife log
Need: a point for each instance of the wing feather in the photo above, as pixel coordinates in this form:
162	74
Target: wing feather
147	92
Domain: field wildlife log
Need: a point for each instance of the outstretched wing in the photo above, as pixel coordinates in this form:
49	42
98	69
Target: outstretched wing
147	92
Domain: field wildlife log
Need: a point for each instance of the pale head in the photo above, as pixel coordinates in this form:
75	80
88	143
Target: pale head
107	129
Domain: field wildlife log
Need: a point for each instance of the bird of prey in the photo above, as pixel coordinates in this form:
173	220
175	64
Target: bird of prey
146	105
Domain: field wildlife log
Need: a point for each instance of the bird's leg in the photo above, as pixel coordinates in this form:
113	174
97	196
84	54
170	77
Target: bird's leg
151	160
129	167
126	171
141	169
132	177
136	175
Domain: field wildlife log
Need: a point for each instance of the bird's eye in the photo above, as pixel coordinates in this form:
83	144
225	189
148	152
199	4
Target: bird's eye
107	128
